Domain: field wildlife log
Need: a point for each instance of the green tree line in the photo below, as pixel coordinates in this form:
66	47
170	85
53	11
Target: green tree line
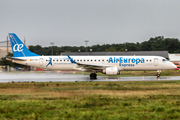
153	44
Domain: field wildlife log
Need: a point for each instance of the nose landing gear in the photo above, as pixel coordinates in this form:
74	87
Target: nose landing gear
158	74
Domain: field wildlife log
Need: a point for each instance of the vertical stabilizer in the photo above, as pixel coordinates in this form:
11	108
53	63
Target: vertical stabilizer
18	47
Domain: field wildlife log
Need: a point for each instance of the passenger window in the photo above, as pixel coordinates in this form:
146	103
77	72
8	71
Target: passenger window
84	60
56	60
95	60
99	60
87	60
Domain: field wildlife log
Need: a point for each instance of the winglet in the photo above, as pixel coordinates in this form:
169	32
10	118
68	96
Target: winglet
72	61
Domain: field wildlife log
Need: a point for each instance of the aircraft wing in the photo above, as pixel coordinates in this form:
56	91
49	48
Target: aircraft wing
89	66
92	66
13	58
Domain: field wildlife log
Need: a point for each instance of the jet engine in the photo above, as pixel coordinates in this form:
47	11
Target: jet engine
111	71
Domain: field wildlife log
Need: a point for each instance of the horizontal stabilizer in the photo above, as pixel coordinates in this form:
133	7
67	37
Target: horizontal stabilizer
12	58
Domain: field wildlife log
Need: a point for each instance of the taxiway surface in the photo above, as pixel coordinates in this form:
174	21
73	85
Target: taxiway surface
55	77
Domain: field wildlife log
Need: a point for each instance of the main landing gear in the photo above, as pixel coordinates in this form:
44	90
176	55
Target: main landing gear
93	76
158	74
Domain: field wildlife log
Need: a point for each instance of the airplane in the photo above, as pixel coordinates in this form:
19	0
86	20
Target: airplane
109	65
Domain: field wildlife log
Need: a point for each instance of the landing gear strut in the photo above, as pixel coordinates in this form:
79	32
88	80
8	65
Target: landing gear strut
93	76
158	74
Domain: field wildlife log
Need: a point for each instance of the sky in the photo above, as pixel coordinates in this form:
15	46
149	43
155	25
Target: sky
71	22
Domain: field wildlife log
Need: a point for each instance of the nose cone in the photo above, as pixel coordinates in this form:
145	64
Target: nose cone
173	66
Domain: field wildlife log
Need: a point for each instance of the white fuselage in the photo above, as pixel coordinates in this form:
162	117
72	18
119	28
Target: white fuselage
121	62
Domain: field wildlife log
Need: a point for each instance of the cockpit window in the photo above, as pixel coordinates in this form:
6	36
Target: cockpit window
164	60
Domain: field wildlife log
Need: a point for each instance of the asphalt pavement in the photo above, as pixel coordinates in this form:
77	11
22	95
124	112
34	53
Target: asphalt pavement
60	77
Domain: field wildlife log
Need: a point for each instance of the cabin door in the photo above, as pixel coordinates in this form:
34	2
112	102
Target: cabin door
41	61
155	61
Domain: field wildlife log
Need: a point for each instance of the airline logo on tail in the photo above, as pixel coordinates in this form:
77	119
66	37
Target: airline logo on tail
18	47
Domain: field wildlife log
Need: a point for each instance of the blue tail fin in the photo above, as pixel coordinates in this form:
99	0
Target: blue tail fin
18	47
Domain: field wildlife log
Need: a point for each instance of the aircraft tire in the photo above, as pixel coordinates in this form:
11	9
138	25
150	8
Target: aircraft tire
93	76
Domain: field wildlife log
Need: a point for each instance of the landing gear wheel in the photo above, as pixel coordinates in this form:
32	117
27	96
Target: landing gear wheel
158	74
93	76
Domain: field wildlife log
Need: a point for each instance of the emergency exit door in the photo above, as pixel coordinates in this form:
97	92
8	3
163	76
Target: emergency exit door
155	61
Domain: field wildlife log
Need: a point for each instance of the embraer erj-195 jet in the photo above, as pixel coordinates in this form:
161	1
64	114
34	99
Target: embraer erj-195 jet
109	65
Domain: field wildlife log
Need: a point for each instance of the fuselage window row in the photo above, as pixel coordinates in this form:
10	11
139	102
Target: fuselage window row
101	60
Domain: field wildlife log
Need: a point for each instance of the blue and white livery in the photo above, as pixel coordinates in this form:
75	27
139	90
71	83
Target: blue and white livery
110	65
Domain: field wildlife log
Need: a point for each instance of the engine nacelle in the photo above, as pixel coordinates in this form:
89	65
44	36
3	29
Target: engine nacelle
111	71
